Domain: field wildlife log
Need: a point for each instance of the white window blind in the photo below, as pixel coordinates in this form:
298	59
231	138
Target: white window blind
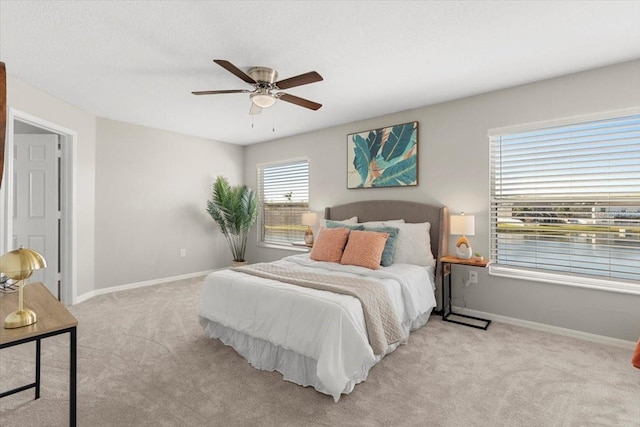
567	199
283	198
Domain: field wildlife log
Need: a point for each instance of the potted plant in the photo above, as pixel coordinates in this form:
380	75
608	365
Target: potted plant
235	210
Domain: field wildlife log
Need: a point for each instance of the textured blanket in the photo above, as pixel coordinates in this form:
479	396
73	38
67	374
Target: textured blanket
383	327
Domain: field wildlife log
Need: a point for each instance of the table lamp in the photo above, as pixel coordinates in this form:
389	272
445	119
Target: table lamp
19	264
309	219
463	225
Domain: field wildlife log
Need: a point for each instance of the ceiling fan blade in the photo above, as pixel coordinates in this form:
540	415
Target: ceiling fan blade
216	92
302	79
300	101
254	109
234	70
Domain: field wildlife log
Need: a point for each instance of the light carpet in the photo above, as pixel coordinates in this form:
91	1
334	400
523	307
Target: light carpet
143	360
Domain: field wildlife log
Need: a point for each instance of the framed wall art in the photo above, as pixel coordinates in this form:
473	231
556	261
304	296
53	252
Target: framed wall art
385	157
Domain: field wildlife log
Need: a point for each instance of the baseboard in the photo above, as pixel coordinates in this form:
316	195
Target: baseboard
601	339
91	294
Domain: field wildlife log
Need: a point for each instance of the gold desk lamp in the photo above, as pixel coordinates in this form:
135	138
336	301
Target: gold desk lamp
19	264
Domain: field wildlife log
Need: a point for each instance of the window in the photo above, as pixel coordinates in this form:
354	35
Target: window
283	198
566	200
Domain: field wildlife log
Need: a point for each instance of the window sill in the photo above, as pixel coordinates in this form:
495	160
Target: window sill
285	247
565	279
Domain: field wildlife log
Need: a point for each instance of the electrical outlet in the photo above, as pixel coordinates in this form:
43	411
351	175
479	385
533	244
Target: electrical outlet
473	277
183	253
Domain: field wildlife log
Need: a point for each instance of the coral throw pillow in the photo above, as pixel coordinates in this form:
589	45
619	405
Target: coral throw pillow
364	248
329	244
390	246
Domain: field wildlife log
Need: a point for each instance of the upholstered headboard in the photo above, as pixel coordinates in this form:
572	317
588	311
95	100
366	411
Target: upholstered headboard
413	212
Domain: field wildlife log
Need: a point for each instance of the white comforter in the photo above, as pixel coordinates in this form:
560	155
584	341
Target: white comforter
326	327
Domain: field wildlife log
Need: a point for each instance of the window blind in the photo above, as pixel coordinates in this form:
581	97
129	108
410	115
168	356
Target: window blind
567	198
283	198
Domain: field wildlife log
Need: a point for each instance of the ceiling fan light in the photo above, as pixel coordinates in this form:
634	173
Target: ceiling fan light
263	100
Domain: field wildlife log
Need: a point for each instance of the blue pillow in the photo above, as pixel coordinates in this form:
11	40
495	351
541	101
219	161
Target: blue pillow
337	224
390	246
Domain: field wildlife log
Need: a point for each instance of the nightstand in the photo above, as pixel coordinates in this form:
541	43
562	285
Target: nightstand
447	312
302	244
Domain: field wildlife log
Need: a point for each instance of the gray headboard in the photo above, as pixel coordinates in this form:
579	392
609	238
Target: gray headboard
414	212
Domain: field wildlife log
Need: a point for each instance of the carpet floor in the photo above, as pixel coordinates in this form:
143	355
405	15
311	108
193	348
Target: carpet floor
143	360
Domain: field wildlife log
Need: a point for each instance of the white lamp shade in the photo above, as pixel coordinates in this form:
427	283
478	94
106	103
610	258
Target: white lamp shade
309	218
463	225
263	100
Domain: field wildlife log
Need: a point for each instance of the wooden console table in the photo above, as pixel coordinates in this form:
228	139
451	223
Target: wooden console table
447	312
53	319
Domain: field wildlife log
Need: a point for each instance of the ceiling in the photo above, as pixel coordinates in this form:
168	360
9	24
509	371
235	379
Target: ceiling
138	61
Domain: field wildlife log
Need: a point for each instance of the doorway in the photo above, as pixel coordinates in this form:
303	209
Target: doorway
37	198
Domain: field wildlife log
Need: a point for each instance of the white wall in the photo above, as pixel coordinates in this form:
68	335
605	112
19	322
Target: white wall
454	171
35	102
141	195
151	192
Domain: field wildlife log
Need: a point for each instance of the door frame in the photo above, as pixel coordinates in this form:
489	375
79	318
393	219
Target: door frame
68	185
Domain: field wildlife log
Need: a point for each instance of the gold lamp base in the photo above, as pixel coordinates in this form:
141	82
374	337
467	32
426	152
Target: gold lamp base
308	236
463	248
20	318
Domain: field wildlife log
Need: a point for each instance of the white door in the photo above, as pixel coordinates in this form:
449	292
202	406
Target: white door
36	189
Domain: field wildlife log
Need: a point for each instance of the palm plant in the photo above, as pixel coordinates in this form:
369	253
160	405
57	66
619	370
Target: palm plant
235	210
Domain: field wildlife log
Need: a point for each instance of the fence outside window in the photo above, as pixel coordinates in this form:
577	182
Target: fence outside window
283	198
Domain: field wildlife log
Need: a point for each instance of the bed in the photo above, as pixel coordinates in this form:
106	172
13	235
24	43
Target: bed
318	338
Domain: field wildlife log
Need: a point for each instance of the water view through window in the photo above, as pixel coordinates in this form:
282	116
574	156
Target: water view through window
567	198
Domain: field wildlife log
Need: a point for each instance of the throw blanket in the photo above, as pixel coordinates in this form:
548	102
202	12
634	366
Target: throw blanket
383	327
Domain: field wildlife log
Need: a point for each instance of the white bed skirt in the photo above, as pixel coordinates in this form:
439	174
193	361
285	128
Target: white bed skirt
294	367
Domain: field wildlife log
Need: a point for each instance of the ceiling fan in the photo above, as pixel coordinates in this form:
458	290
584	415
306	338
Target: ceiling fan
266	88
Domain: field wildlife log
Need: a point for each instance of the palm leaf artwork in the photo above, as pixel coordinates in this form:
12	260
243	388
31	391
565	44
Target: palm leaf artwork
385	157
235	210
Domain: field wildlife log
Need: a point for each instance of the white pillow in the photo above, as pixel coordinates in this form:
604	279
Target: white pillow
413	244
378	224
352	220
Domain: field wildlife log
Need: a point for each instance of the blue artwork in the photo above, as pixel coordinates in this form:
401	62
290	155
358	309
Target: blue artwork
385	157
